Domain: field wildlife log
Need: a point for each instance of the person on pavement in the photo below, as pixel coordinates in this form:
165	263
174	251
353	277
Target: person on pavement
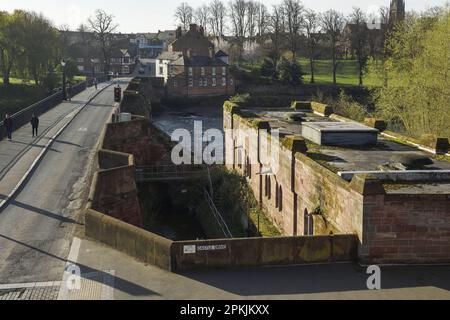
69	92
8	123
95	83
34	124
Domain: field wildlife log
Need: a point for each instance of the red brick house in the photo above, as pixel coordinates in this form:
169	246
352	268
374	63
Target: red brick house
192	67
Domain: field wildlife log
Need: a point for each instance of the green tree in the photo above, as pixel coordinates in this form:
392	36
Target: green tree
267	68
290	72
417	92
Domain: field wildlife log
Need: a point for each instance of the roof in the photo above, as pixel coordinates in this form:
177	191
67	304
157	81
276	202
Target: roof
220	53
203	61
167	55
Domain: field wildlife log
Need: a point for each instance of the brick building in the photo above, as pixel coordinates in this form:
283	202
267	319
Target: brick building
333	177
192	67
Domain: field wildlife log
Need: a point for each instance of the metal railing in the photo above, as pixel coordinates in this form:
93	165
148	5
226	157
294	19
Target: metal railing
23	116
220	220
168	172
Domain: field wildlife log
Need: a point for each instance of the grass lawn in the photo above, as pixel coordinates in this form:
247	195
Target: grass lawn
347	72
18	96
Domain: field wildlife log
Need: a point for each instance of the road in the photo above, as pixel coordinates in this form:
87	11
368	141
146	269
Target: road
37	226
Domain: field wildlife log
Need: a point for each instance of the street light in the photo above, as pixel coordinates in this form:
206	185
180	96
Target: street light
93	69
63	65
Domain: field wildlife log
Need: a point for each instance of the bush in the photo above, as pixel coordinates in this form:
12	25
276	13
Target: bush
290	72
267	68
349	108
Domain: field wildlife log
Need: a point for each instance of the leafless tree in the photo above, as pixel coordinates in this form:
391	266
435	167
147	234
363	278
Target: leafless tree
184	15
218	13
359	35
293	14
275	33
333	24
202	17
251	19
311	26
237	11
103	26
262	17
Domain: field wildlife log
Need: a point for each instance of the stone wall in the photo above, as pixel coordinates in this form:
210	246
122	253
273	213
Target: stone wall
302	197
262	251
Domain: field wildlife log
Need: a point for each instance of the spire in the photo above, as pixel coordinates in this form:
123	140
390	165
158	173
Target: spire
396	12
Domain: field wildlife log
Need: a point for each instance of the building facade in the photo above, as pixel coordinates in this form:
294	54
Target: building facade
192	67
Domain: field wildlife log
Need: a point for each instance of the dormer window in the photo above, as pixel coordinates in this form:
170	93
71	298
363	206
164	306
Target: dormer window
202	70
213	71
224	71
190	71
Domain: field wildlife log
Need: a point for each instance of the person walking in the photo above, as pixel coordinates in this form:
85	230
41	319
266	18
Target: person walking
95	83
34	124
69	92
8	123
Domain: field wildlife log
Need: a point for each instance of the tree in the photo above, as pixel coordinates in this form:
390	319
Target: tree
267	68
218	13
418	71
238	10
358	39
202	17
262	17
184	15
293	14
290	72
6	55
103	26
276	32
311	26
333	25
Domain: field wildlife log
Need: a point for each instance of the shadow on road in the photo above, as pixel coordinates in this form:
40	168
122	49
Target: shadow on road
119	283
319	279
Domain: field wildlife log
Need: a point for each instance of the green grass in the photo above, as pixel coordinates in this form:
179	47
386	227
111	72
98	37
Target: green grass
18	96
347	72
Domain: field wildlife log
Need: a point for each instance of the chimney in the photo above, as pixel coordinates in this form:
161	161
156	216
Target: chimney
211	52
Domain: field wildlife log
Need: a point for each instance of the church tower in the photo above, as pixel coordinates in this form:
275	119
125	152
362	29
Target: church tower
396	12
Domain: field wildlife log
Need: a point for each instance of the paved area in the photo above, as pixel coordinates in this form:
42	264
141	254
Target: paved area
38	224
135	280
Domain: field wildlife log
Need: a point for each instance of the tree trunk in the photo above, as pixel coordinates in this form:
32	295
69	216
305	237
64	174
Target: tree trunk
311	62
334	64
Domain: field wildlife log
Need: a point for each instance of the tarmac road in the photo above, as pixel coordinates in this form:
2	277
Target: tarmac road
37	226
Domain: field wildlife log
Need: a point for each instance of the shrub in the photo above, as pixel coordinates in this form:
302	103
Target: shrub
290	72
267	68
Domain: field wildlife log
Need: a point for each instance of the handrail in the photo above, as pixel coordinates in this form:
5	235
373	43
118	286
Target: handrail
222	224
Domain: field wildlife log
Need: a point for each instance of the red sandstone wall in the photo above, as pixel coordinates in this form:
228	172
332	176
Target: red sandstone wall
406	228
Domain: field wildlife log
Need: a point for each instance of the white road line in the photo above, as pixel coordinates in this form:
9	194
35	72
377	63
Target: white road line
71	260
29	285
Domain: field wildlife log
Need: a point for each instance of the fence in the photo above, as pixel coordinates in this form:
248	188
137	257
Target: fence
23	116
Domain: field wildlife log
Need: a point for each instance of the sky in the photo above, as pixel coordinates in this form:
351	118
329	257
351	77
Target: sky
153	15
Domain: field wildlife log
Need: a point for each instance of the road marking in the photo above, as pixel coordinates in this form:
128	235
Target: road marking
71	260
29	285
83	129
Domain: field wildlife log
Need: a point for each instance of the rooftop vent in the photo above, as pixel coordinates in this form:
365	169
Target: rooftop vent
339	133
411	161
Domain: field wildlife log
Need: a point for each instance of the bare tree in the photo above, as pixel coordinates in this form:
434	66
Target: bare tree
333	24
275	33
358	38
218	13
103	26
202	16
238	10
184	15
311	26
251	19
262	17
293	14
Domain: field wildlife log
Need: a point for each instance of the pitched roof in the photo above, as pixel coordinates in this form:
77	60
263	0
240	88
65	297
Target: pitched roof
220	53
167	55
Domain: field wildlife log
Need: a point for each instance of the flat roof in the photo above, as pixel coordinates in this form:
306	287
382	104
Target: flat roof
351	158
339	127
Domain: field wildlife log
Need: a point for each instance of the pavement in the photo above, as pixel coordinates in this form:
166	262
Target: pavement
38	223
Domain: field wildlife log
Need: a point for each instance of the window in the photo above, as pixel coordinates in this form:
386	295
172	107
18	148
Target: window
213	71
280	198
175	83
224	71
190	71
224	82
202	70
200	82
161	70
80	60
191	82
160	62
205	82
80	68
214	82
308	224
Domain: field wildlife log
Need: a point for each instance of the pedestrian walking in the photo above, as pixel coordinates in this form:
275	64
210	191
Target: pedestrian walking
69	92
8	123
95	83
34	124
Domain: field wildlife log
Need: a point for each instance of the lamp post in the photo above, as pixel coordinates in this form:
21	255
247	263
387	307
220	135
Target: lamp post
63	65
93	69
